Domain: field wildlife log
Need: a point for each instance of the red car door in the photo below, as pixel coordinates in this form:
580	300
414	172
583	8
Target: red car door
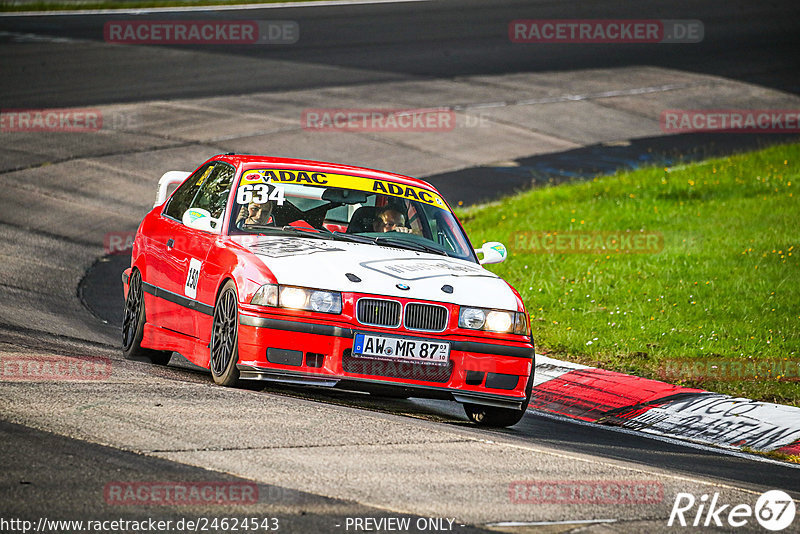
179	248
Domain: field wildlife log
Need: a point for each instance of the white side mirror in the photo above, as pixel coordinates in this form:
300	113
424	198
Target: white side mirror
201	219
493	252
167	179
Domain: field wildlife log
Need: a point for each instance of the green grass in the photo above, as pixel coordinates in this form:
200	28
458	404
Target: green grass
775	455
725	286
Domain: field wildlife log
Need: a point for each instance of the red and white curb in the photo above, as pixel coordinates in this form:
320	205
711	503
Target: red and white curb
606	397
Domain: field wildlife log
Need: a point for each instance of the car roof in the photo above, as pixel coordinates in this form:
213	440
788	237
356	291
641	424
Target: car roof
247	161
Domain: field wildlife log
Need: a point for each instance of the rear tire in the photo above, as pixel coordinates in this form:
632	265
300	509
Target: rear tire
133	321
493	417
225	337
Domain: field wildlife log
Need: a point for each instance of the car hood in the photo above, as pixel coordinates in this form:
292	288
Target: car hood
325	264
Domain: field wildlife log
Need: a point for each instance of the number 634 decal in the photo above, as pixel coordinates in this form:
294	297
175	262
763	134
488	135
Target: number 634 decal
259	193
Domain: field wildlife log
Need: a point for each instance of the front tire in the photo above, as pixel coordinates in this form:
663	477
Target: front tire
493	417
133	326
225	337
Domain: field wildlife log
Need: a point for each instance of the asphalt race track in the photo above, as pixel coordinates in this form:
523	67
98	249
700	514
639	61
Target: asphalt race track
357	44
318	459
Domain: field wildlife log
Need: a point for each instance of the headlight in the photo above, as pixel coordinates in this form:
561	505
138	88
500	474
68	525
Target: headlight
493	320
326	302
472	318
499	321
294	297
298	298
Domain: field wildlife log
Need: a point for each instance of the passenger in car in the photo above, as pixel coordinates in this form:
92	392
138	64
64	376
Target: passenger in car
389	219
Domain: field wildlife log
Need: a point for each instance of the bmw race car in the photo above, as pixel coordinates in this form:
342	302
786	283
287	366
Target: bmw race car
312	273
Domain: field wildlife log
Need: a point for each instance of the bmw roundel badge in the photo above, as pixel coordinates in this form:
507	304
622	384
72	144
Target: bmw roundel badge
404	287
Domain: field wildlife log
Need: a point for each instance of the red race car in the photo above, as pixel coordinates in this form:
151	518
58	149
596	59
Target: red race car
304	272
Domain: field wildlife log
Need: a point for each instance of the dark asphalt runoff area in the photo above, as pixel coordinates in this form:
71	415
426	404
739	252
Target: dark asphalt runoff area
755	43
61	479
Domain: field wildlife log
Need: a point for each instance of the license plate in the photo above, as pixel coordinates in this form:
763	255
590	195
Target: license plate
401	348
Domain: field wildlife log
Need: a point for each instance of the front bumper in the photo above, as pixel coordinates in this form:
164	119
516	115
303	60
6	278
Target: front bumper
480	371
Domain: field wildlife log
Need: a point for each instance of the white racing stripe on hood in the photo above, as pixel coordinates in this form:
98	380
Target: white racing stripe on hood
323	264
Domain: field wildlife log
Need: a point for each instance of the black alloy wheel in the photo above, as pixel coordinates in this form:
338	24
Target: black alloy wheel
225	337
133	322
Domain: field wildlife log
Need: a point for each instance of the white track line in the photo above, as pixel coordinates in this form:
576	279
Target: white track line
236	7
19	37
544	523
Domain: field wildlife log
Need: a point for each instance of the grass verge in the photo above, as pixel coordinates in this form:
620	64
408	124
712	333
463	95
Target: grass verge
774	455
714	280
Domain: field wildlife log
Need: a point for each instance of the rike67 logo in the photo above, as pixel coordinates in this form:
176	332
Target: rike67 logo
774	510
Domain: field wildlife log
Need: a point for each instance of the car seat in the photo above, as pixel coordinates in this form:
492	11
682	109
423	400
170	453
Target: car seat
362	220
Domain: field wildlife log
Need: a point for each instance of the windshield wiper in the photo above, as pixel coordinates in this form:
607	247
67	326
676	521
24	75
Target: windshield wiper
400	243
386	240
302	231
324	233
305	231
355	238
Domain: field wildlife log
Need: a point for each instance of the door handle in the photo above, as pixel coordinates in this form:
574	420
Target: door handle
170	243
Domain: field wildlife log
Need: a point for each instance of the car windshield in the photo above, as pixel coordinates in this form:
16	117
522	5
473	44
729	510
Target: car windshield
343	207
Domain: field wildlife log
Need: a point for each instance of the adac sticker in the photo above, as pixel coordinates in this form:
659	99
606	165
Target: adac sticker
252	177
193	215
360	183
501	249
202	177
276	176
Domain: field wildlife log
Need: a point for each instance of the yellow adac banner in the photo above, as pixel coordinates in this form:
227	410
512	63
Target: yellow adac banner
359	183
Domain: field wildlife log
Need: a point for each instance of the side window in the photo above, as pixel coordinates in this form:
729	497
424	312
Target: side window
215	190
208	189
447	235
182	198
